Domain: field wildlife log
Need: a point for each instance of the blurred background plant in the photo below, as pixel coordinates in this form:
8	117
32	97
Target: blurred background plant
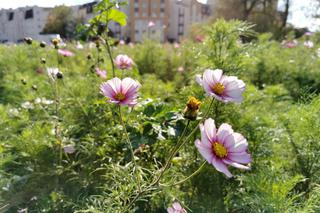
279	117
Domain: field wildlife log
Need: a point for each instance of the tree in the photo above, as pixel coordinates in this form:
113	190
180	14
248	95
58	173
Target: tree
263	13
285	14
61	21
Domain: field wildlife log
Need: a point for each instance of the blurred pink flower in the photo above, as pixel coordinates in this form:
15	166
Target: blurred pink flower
39	70
223	88
176	208
308	44
101	73
131	45
122	42
65	53
223	147
122	92
52	73
123	62
180	69
291	44
199	38
79	46
151	24
176	45
69	149
308	33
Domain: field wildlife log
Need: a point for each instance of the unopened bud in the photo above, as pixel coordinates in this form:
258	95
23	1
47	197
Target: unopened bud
34	87
55	42
89	56
192	109
28	40
59	75
23	81
43	60
43	44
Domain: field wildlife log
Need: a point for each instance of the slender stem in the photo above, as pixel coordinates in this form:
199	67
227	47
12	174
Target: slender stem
131	149
189	177
110	57
57	120
173	153
179	145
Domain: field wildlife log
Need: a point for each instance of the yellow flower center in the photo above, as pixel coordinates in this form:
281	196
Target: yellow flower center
218	88
219	150
120	96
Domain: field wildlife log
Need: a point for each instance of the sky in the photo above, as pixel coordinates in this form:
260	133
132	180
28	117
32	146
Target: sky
297	17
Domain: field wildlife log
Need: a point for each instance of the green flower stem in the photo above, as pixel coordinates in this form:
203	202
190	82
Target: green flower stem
180	145
107	45
187	178
131	150
173	153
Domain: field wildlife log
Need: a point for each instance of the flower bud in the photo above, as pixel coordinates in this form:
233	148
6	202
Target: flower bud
34	87
43	44
23	81
192	109
59	75
43	60
55	42
89	56
28	40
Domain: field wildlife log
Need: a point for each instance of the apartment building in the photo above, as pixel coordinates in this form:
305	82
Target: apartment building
22	22
163	20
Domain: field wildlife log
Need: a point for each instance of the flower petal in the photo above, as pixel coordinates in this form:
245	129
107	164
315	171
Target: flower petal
223	132
210	129
235	164
204	151
204	138
221	167
242	157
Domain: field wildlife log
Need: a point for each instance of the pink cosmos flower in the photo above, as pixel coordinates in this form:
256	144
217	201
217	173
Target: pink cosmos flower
101	73
308	44
52	73
65	53
69	149
123	62
308	33
79	46
180	69
151	24
122	92
199	38
223	88
176	45
223	147
176	208
122	42
291	44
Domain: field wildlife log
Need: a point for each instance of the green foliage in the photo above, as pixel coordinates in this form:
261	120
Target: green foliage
279	117
61	21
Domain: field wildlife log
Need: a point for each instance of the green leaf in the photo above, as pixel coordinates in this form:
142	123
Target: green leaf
117	16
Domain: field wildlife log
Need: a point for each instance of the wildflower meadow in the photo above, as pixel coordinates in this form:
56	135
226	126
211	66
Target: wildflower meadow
226	123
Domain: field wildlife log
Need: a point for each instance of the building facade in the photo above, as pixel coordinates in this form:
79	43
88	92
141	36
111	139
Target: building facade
163	20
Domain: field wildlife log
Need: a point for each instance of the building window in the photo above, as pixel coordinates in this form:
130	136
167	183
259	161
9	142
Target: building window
10	16
89	9
162	1
136	1
28	14
136	10
162	10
